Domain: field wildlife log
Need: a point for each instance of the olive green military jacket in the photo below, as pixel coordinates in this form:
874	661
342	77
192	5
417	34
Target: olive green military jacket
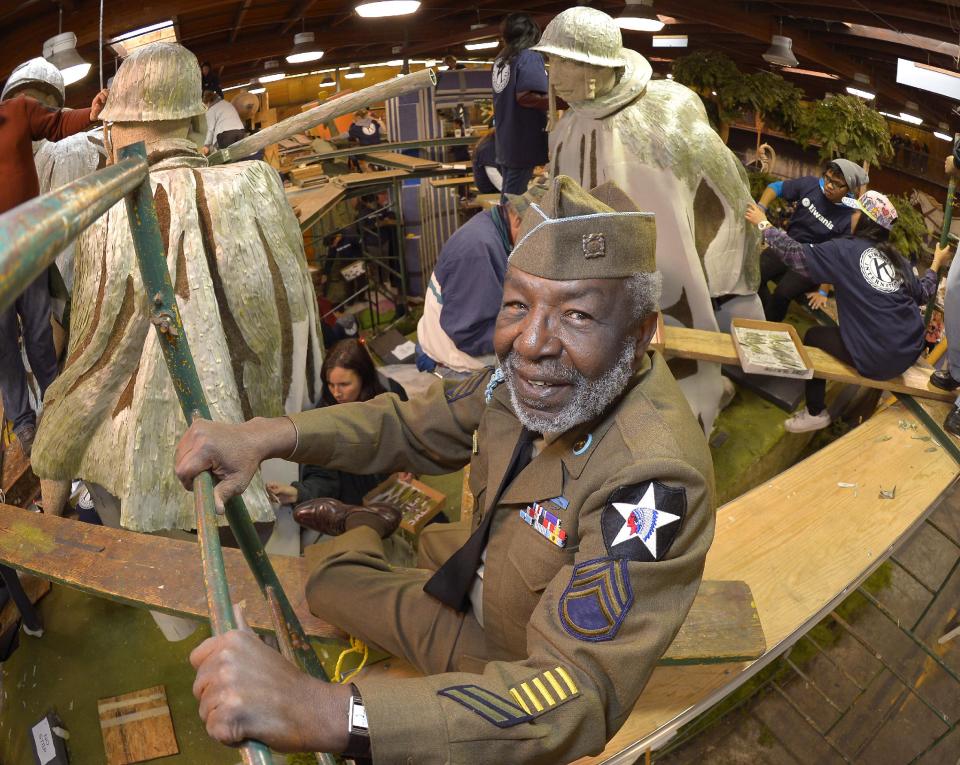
594	557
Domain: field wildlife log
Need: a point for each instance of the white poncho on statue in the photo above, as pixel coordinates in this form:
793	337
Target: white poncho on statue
653	139
236	259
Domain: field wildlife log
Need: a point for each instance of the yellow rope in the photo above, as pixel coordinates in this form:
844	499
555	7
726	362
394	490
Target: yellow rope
356	646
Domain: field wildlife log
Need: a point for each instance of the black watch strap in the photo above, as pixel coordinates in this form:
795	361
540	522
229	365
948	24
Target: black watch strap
358	743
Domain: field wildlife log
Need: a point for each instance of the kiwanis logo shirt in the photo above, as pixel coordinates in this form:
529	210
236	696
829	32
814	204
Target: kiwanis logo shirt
521	131
880	318
816	218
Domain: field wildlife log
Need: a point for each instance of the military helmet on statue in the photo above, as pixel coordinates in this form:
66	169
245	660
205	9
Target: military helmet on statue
159	81
38	74
585	35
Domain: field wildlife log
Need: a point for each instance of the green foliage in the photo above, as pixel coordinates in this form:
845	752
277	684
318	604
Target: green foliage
845	126
772	98
909	232
759	180
707	72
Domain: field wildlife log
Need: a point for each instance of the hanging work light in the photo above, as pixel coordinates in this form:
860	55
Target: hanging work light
304	49
273	72
639	16
382	8
61	51
354	72
780	52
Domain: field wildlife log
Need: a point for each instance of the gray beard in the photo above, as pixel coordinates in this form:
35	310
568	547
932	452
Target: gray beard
590	398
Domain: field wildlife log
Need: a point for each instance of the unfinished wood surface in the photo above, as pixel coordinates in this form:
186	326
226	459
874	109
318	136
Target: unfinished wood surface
801	541
310	205
307	173
446	183
137	726
355	180
141	570
34	587
396	159
718	346
722	626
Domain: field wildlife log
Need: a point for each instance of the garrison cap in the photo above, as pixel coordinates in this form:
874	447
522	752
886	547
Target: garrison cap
576	234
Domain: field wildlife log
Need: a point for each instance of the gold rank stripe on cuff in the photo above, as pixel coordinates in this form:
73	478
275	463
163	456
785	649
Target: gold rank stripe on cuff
545	691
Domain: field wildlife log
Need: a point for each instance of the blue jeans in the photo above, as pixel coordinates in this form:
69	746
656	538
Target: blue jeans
515	180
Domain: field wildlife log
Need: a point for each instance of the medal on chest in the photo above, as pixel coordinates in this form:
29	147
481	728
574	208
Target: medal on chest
545	523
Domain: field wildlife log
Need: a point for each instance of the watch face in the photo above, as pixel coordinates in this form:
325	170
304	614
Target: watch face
358	717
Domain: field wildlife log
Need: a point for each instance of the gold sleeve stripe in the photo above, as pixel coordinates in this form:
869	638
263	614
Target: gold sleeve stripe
538	683
567	679
555	685
533	698
520	701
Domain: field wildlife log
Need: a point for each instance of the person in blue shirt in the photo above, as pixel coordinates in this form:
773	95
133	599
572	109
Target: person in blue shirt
486	175
820	215
365	129
520	103
881	332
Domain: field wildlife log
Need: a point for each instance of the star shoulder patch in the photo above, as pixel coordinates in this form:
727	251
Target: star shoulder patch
641	521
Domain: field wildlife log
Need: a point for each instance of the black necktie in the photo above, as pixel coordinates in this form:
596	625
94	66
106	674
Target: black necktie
452	581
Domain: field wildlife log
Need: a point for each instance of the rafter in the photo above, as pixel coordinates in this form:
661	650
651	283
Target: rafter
238	21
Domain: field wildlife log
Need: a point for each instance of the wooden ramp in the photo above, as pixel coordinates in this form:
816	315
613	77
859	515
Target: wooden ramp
801	541
405	161
718	346
311	204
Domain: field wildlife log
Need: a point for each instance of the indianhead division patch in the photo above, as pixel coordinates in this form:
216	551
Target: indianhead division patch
641	521
596	600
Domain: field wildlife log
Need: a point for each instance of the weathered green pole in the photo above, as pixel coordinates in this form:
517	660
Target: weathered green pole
34	233
165	316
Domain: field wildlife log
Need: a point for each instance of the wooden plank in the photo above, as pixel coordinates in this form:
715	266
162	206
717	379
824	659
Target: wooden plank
405	161
446	183
310	205
355	180
718	346
723	625
801	542
140	569
137	726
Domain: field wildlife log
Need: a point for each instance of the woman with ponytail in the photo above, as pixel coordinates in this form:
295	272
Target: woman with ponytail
881	331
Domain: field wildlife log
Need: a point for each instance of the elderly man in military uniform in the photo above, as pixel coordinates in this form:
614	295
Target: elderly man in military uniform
594	490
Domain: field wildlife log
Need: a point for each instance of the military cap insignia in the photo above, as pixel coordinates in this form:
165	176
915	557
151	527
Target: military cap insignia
546	691
596	600
594	246
491	707
641	521
454	390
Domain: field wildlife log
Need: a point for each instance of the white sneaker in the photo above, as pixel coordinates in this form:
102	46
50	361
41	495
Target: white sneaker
803	421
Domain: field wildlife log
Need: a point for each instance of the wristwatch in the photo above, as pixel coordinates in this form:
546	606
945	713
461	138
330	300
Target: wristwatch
358	743
764	224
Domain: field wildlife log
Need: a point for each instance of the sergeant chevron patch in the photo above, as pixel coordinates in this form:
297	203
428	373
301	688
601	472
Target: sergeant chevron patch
546	691
596	600
491	707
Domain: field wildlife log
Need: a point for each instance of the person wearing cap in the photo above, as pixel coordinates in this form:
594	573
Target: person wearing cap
23	119
538	623
466	287
236	260
653	139
820	214
881	332
519	103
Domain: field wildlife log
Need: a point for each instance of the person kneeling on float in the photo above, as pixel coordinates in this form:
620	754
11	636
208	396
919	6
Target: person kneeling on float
881	331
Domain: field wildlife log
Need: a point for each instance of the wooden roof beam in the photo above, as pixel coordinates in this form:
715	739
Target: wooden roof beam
238	21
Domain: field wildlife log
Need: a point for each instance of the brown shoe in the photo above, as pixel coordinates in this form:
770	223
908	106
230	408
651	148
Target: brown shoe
333	517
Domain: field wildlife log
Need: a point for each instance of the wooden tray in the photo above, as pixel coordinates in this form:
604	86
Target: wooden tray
751	367
418	501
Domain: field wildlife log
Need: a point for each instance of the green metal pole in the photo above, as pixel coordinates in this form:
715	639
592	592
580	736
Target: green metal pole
165	316
34	233
944	232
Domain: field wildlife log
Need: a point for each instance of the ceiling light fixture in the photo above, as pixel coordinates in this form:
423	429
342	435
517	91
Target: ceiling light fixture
639	16
304	49
273	72
142	31
328	82
482	45
354	72
810	73
61	51
669	41
256	90
383	8
942	136
780	52
913	120
865	94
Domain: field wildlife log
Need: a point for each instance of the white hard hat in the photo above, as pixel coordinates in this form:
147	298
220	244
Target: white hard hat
586	35
159	81
36	73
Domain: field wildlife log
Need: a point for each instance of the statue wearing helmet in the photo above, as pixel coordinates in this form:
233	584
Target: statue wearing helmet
653	139
58	162
236	258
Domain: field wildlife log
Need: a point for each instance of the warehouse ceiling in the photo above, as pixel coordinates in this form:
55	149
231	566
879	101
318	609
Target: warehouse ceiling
237	36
